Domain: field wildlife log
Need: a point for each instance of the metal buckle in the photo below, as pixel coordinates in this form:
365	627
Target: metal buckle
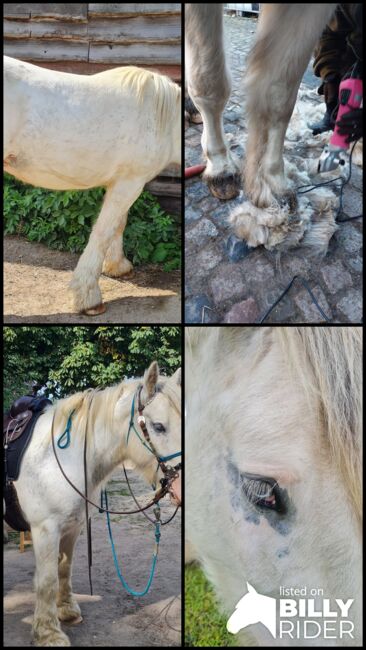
141	420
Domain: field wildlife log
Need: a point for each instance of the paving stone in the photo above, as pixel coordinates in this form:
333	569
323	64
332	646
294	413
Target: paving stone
245	311
192	213
283	312
220	214
201	233
199	308
336	277
236	249
195	190
350	306
356	180
352	202
349	237
206	260
257	271
355	263
308	310
290	265
227	284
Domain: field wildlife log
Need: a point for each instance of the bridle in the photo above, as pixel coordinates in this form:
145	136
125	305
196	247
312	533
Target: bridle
170	473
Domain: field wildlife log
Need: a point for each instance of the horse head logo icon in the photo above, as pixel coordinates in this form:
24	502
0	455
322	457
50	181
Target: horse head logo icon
253	608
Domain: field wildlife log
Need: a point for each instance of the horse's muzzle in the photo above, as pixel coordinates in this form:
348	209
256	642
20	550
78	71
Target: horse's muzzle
175	491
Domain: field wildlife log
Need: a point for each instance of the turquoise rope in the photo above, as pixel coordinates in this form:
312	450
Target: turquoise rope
154	559
163	459
66	433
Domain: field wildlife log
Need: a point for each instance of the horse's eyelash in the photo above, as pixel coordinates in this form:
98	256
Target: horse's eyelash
256	490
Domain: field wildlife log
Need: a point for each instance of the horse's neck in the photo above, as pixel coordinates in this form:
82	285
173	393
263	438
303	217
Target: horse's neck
105	452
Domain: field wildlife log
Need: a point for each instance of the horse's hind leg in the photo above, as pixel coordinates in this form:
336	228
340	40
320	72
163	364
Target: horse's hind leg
46	626
115	262
67	607
209	88
112	219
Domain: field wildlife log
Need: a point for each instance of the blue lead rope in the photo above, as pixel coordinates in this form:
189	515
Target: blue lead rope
67	432
154	558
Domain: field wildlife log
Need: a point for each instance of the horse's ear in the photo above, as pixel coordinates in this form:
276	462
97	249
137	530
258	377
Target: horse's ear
177	377
251	589
151	379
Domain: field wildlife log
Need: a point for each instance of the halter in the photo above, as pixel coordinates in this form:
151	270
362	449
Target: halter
170	473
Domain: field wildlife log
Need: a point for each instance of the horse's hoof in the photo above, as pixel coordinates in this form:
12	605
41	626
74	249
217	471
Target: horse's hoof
74	621
94	311
224	186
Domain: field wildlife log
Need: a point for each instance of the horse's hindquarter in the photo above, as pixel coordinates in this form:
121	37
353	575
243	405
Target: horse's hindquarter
66	131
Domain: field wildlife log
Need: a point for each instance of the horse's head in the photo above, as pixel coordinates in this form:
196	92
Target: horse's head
156	432
273	437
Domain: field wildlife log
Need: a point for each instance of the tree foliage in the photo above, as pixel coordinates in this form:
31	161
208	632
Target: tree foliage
62	360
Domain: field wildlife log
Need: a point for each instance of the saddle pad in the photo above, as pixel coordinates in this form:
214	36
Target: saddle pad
15	451
14	516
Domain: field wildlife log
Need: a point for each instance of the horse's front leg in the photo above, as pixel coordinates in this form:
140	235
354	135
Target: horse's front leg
112	219
67	607
116	263
46	626
209	87
275	69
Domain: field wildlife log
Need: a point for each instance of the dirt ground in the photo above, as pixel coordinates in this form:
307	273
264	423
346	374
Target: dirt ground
111	617
36	281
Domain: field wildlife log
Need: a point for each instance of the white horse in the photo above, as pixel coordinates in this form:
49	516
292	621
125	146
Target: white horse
286	36
55	511
116	129
273	464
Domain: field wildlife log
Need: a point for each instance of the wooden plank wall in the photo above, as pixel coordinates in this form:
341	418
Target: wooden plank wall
90	37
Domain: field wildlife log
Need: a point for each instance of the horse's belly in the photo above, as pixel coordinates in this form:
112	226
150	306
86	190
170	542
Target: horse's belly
52	176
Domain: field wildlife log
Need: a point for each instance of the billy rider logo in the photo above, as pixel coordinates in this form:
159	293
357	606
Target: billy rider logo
294	618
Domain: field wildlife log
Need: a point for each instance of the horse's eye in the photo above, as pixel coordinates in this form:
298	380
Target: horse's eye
158	427
263	492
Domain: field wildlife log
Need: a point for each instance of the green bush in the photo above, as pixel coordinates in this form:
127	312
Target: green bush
63	220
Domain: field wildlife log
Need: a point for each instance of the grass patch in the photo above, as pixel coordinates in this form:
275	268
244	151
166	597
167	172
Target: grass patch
204	625
63	220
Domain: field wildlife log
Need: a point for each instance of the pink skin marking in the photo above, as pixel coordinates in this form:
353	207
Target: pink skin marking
10	160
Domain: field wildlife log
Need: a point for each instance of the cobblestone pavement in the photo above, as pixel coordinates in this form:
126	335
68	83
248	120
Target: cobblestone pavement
226	281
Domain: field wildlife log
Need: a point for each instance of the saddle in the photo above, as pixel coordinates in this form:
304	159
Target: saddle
19	423
20	414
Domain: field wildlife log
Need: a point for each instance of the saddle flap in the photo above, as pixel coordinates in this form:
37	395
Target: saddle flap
14	427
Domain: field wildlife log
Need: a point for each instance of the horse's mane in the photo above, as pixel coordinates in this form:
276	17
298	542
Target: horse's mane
167	94
89	403
328	362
